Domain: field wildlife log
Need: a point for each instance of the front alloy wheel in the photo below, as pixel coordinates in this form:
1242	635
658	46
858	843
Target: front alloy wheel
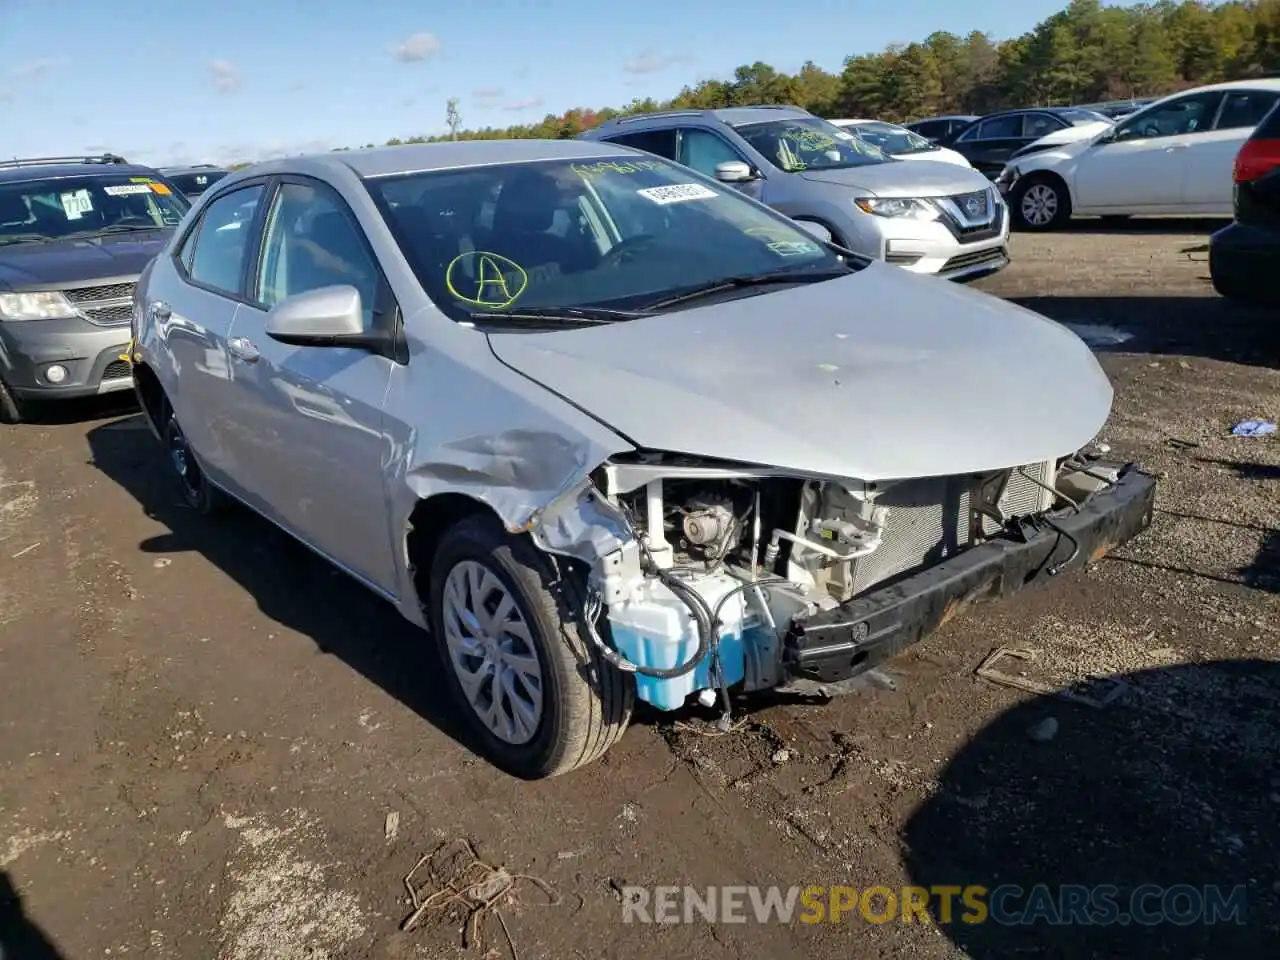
507	623
199	494
492	653
1041	204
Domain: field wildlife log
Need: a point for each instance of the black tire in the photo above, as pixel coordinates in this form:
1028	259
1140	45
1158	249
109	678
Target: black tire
586	703
11	409
1031	188
198	493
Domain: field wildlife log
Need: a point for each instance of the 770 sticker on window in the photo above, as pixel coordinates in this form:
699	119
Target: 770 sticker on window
677	193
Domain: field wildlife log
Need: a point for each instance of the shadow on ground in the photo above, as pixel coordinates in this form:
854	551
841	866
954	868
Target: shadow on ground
1174	785
80	410
1191	226
290	584
1208	327
20	938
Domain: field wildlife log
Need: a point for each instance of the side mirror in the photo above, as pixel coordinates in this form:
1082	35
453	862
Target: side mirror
733	171
325	317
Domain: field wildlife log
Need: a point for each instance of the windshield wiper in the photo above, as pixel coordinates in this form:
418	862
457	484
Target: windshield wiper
26	238
756	280
569	316
128	228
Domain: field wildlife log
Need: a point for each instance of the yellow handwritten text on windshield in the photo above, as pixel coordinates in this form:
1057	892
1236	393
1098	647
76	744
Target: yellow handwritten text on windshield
484	279
603	167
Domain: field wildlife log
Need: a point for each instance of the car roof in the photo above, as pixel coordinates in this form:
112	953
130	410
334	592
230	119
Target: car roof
426	157
194	168
946	116
733	116
55	171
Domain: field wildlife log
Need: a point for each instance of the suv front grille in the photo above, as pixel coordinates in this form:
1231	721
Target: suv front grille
105	304
110	291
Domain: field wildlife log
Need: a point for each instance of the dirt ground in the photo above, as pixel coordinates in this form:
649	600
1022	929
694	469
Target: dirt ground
203	730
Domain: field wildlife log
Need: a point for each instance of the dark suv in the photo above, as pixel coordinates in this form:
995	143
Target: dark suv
193	181
75	232
1244	256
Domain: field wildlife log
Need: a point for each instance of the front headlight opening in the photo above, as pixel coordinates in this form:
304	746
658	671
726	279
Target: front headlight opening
50	305
901	208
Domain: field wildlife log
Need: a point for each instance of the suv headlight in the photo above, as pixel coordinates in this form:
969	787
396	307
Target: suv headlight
898	207
1008	174
35	306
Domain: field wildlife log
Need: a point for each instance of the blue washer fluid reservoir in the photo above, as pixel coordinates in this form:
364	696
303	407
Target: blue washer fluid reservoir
655	628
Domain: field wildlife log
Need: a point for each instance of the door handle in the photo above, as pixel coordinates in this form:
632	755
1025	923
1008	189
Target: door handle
160	311
242	349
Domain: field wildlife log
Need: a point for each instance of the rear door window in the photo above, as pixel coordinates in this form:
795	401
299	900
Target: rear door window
1245	108
660	142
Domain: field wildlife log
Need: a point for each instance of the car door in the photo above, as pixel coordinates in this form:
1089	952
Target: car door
1207	188
989	144
1141	164
194	317
315	434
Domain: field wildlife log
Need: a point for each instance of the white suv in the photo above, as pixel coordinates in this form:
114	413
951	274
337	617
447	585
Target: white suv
1173	156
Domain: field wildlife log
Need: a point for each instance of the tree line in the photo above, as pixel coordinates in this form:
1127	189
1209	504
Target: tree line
1083	53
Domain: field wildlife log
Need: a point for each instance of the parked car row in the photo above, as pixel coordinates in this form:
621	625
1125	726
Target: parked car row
925	215
612	428
75	233
1173	156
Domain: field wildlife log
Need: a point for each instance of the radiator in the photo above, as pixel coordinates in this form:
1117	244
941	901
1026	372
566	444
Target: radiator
929	521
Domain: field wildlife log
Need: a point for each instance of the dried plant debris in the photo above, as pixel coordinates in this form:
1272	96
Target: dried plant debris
452	884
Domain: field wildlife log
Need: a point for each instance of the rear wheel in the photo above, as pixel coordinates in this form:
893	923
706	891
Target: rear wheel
507	626
1040	203
199	494
11	410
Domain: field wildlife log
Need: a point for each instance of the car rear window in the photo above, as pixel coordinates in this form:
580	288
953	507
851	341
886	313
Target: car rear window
197	182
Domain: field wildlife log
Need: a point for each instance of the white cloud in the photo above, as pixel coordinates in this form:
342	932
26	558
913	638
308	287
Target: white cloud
418	46
34	69
528	103
651	62
226	76
486	93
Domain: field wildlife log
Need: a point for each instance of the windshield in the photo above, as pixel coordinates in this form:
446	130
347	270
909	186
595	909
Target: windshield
195	183
53	209
623	233
808	143
890	138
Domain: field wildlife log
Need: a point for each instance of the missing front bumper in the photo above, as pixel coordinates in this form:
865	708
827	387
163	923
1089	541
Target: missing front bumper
835	645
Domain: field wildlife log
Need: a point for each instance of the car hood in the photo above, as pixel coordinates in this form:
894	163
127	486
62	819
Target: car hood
921	178
940	155
878	375
1086	131
77	261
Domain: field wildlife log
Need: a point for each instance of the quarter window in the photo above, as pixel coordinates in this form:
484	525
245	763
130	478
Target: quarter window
311	241
222	240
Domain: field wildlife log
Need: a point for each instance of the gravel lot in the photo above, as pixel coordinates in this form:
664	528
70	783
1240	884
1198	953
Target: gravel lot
203	730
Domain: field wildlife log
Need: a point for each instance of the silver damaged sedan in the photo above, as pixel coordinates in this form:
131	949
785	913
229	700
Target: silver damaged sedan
608	429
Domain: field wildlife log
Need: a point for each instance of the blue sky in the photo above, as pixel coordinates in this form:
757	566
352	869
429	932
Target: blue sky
225	80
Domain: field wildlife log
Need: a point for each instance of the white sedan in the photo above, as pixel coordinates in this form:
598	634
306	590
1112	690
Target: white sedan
1173	156
899	142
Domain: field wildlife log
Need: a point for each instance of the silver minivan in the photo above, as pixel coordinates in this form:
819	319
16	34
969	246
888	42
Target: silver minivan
926	216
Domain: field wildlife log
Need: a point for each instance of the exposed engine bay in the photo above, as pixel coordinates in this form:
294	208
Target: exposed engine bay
724	559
